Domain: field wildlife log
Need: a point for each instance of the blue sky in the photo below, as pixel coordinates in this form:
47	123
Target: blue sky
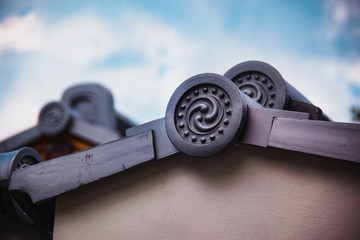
142	50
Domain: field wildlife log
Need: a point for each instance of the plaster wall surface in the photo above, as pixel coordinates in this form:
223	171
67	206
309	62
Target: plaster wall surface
245	193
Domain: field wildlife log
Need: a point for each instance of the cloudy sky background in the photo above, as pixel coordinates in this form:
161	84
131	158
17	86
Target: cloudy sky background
142	50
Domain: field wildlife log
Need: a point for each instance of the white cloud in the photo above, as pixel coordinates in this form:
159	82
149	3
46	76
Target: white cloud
80	40
21	33
353	72
340	14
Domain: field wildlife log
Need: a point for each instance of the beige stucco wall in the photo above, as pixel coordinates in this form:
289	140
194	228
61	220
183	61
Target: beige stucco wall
246	193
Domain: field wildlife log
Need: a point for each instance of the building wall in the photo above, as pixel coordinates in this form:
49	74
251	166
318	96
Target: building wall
246	193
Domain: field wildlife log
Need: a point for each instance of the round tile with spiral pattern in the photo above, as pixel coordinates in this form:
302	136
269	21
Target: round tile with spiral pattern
53	118
11	161
261	82
205	115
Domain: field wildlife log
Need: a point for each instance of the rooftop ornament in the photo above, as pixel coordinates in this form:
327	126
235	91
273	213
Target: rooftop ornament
208	113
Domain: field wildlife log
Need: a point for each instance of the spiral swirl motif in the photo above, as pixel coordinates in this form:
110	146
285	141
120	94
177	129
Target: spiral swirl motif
258	86
206	114
261	82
